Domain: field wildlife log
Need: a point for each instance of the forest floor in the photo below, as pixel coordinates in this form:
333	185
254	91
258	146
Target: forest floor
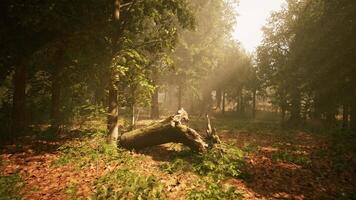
266	161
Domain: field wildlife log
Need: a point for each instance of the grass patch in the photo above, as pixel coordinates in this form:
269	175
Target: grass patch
10	187
251	148
124	184
225	161
286	156
215	190
71	190
90	151
213	166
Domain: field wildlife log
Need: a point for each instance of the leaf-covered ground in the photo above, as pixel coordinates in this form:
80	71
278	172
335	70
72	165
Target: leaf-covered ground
259	160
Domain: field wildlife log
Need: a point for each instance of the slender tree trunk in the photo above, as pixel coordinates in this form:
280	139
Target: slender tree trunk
295	109
180	94
154	105
238	92
345	116
154	99
112	119
317	112
55	99
353	117
218	99
18	108
113	105
133	117
254	104
283	113
242	103
223	102
56	86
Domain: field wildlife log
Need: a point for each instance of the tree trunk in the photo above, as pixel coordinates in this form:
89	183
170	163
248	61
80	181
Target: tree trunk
345	116
18	108
317	111
56	87
254	104
353	117
242	103
154	105
295	109
223	102
168	130
283	113
133	117
180	94
55	99
112	119
218	99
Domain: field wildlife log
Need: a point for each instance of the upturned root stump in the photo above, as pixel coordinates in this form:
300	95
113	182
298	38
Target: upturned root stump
169	130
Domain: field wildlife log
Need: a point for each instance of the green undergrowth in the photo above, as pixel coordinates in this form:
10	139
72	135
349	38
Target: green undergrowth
222	162
125	184
215	190
90	151
71	191
251	148
342	150
290	157
213	167
10	186
243	125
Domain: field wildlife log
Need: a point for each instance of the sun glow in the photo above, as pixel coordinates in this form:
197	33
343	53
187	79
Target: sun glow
253	14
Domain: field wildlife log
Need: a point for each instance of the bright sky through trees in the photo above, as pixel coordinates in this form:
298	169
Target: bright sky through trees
252	16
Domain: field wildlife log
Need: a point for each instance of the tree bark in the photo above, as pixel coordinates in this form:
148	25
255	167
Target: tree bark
283	114
180	96
112	119
154	105
223	102
218	99
295	116
55	100
18	108
345	116
242	103
254	104
353	117
168	130
56	87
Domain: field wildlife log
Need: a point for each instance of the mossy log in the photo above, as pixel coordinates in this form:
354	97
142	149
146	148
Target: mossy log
171	129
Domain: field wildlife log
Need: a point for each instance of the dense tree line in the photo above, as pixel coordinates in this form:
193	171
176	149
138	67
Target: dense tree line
64	61
68	57
306	60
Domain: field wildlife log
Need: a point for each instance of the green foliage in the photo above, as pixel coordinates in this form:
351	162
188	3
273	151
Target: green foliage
291	157
71	190
124	184
251	148
305	61
10	186
342	150
91	151
178	164
215	190
219	163
132	78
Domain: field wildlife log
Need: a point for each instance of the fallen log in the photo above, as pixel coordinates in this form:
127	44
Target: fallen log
171	129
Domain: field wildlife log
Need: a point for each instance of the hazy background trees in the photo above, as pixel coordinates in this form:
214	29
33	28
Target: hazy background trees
305	61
